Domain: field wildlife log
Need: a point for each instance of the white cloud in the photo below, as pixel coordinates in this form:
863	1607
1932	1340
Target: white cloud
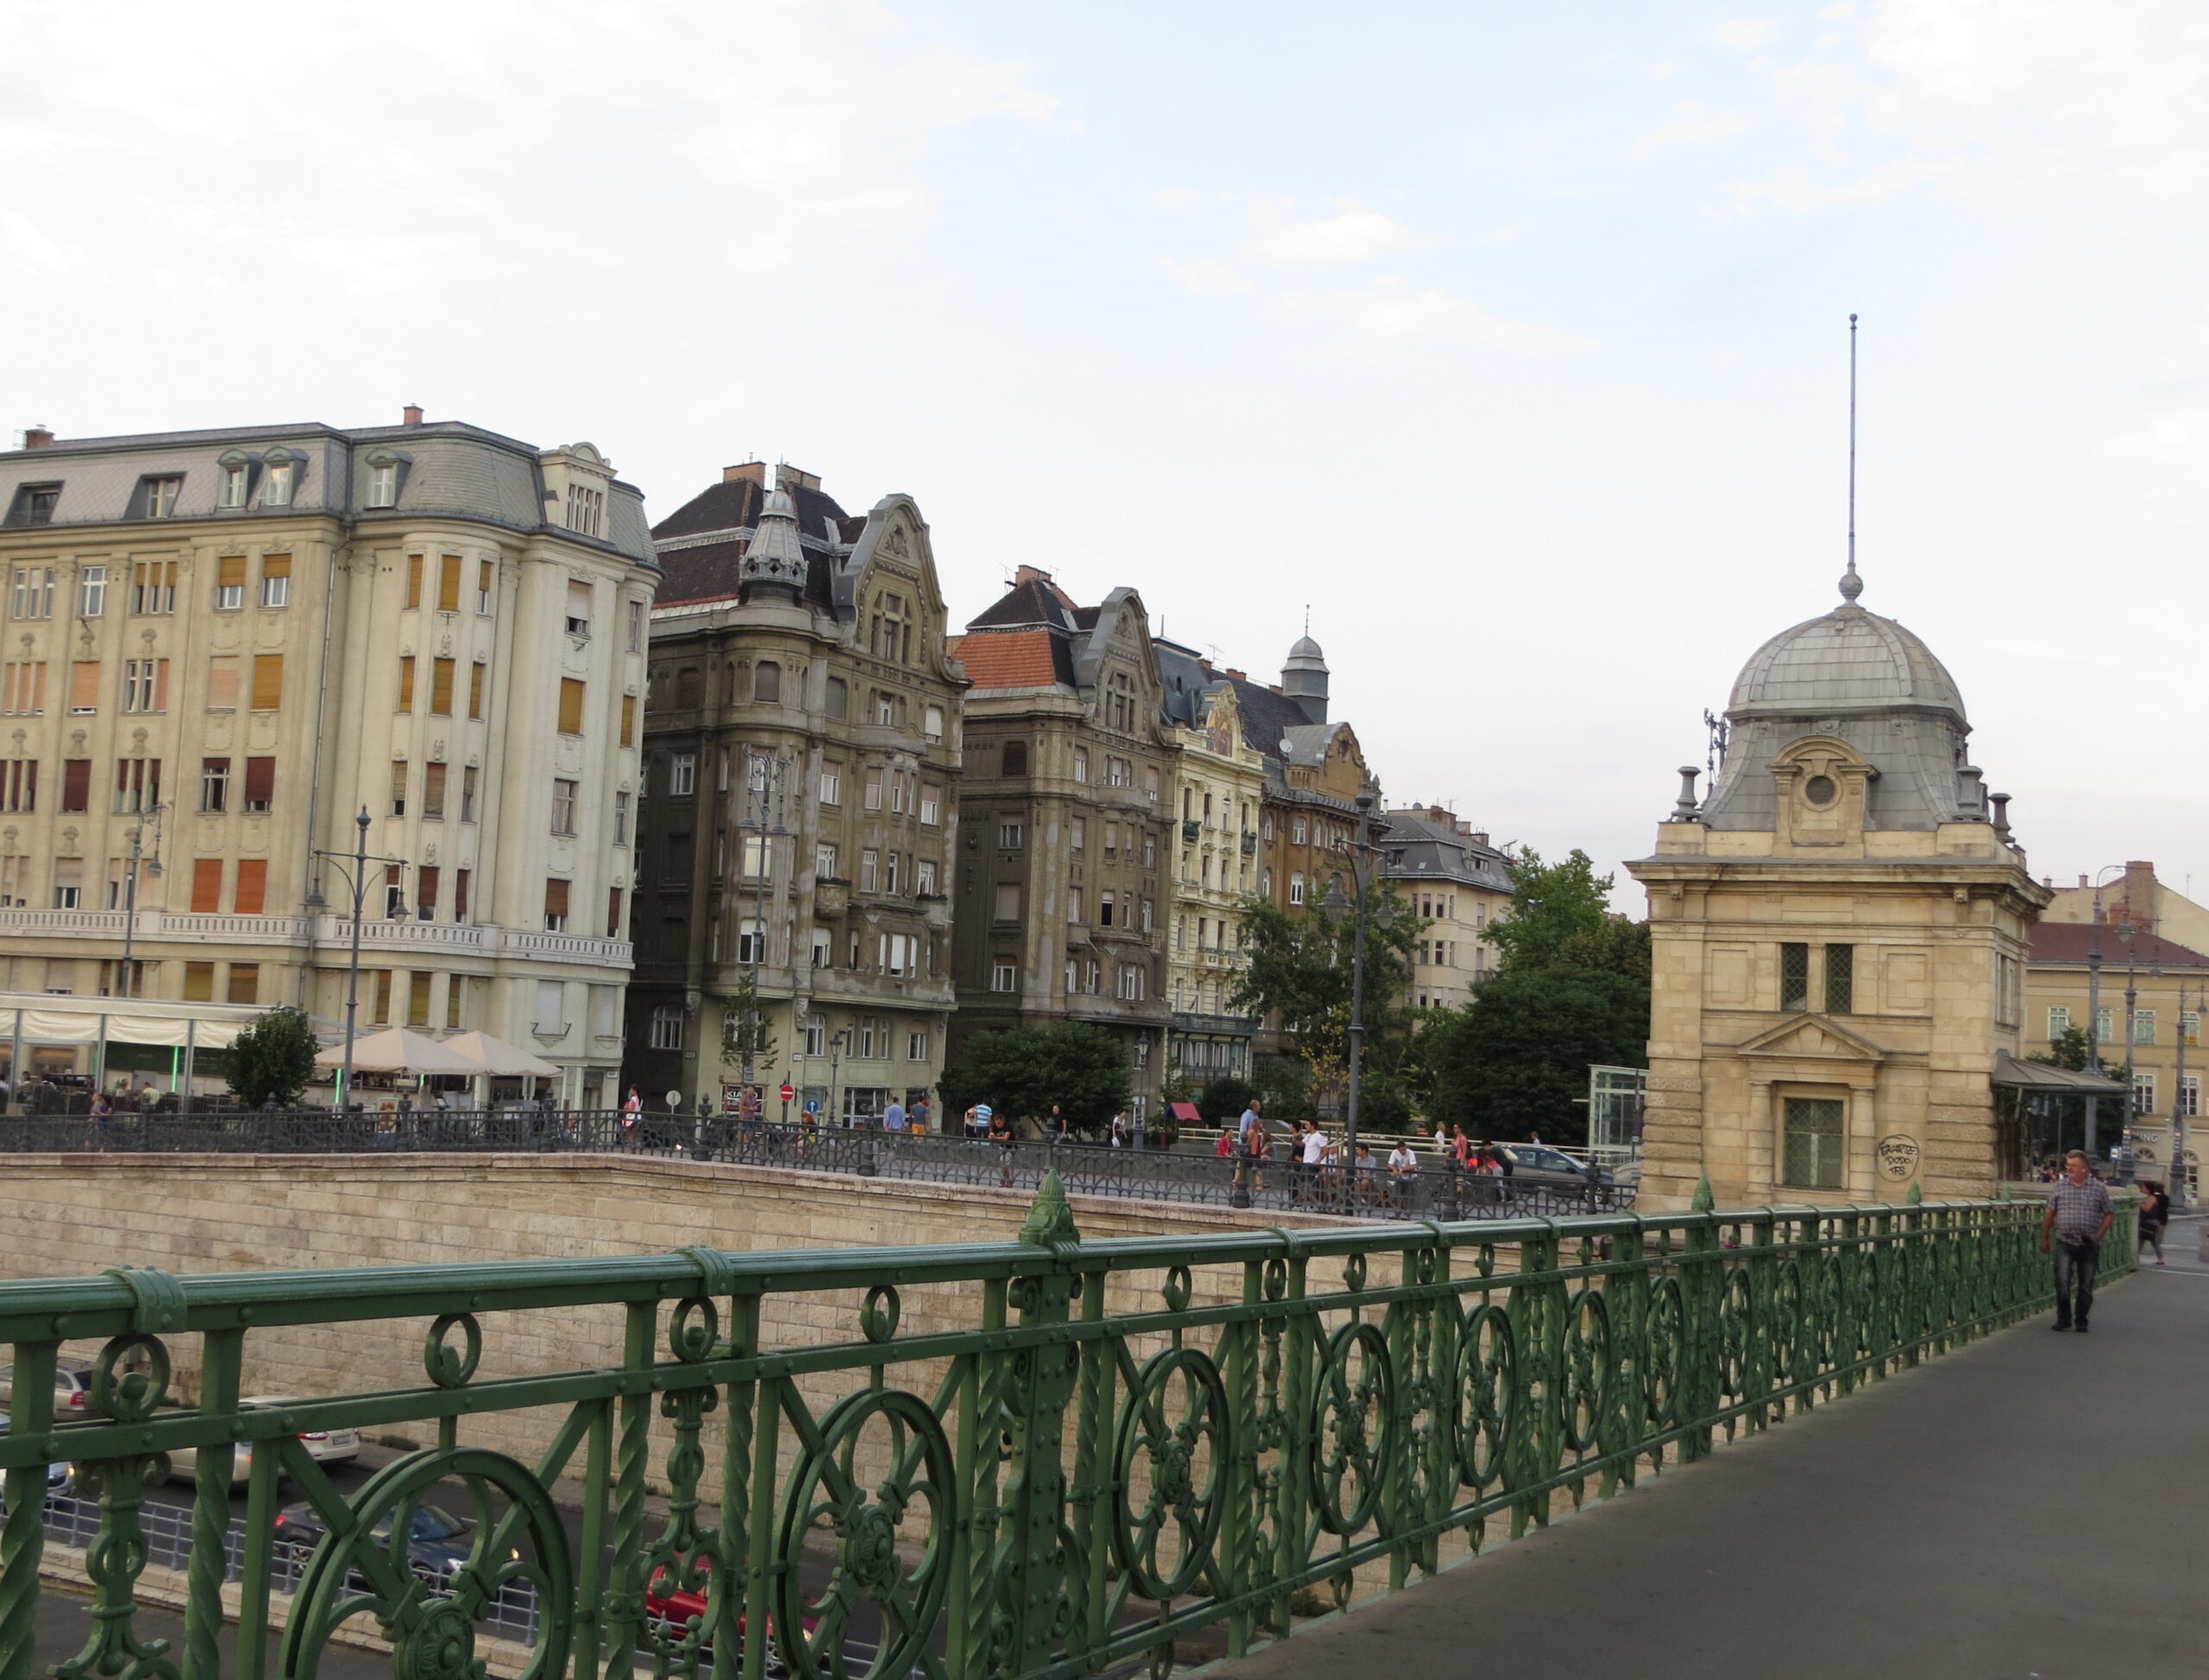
1744	34
1179	199
1208	277
1693	123
1384	320
1354	233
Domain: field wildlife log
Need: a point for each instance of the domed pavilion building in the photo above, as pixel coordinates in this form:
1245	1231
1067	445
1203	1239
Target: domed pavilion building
1839	937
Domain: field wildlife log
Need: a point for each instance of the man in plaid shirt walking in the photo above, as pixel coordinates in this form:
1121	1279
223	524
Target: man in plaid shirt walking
2079	1214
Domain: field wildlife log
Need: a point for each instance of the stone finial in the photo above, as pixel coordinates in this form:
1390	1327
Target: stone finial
2001	804
1917	1195
1851	585
1685	810
1050	1220
1704	1201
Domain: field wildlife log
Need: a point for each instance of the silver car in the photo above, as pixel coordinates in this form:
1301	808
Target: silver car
332	1446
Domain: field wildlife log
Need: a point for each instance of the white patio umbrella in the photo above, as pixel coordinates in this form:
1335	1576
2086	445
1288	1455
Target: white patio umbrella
396	1050
495	1056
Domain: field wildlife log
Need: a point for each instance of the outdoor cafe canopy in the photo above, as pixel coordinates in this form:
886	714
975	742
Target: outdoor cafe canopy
396	1050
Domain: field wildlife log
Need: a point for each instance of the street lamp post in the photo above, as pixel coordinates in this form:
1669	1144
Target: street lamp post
835	1062
354	867
2175	1188
2094	1010
2126	932
153	813
1363	850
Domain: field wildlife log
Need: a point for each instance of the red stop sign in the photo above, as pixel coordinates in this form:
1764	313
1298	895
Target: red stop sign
790	1091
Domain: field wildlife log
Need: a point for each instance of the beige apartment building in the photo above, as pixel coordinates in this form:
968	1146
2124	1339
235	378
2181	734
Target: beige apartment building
221	647
1456	883
803	761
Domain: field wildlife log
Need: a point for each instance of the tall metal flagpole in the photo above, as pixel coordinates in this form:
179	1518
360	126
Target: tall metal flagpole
1851	442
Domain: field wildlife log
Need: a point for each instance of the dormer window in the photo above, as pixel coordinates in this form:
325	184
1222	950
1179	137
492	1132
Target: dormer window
34	504
158	494
282	476
586	509
237	487
383	479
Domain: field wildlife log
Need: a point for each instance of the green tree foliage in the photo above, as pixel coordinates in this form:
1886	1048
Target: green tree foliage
746	1039
274	1056
2069	1048
1023	1072
1513	1062
1225	1099
1298	969
1555	908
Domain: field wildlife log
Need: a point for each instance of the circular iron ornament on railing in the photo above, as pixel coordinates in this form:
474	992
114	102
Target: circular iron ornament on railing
694	1329
1786	1321
1353	1428
1737	1333
430	1613
1354	1272
447	1368
1664	1344
1174	1442
1274	1281
1487	1412
879	1313
128	1395
1177	1288
901	1604
1834	1331
1586	1367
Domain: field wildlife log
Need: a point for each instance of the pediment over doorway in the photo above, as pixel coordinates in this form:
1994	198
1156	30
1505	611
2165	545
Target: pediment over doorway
1813	1037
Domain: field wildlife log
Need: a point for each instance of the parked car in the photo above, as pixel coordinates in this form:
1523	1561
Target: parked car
671	1610
438	1542
325	1446
1539	1167
60	1479
73	1388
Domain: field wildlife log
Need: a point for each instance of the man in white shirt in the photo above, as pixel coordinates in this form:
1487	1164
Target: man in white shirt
1403	1172
1311	1151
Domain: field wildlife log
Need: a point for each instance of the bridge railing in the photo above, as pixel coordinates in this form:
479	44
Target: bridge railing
1034	1459
1432	1192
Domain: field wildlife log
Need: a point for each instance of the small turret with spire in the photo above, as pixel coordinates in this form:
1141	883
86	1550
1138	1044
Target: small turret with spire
775	561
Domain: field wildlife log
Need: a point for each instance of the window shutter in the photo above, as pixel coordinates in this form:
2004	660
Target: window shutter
476	689
571	706
252	886
160	686
268	681
413	580
275	565
229	571
206	886
460	896
406	683
628	719
614	913
448	583
85	685
556	898
441	688
426	887
579	601
260	781
199	983
222	683
75	784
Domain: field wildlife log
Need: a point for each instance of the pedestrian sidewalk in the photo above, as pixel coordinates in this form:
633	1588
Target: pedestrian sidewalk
2031	1507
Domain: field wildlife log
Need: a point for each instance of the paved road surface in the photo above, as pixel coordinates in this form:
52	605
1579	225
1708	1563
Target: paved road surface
2033	1506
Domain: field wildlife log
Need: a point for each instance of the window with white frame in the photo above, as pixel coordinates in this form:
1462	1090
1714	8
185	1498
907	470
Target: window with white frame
1004	975
924	878
931	805
1132	978
280	472
564	806
824	861
869	871
667	1026
682	774
1081	764
932	723
236	485
816	1036
894	953
620	819
1296	888
2189	1096
2143	1026
1009	836
2143	1090
916	1045
831	784
552	1010
33	597
750	940
1006	906
823	947
91	592
636	627
2189	1027
2058	1022
755	856
2102	1021
383	479
162	491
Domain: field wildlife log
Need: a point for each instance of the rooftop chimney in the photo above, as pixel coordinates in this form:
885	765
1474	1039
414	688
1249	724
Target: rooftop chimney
38	438
1030	574
1238	675
2082	880
787	477
752	471
1479	837
410	415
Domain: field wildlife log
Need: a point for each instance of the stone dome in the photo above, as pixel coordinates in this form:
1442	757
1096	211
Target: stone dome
1870	682
1847	660
1304	656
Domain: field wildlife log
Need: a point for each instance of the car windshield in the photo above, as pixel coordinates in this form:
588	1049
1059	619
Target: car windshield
430	1523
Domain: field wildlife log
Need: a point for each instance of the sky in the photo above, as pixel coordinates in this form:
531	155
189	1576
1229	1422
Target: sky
1509	341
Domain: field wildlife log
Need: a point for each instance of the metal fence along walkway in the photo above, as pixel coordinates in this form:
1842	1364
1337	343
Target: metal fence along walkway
1431	1192
1037	1459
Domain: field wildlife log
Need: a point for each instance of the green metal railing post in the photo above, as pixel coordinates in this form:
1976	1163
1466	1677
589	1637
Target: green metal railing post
624	1601
22	1535
223	1352
1041	1386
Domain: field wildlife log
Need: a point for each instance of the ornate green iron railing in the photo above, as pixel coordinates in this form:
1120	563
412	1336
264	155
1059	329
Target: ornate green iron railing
1034	1459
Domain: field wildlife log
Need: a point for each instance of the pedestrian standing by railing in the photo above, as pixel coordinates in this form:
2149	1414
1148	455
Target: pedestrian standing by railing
1311	1153
2079	1214
2154	1215
1403	1172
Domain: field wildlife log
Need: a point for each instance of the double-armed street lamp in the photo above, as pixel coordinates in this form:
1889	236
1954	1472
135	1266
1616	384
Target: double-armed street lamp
152	814
1364	862
354	867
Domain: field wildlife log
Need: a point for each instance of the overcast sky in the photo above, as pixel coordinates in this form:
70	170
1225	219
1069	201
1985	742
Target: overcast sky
1510	339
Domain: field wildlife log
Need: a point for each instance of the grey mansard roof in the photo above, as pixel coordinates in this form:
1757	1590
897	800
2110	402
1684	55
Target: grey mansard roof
449	470
1867	680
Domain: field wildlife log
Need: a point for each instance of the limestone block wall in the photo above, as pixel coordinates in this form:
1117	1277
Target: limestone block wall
71	1215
